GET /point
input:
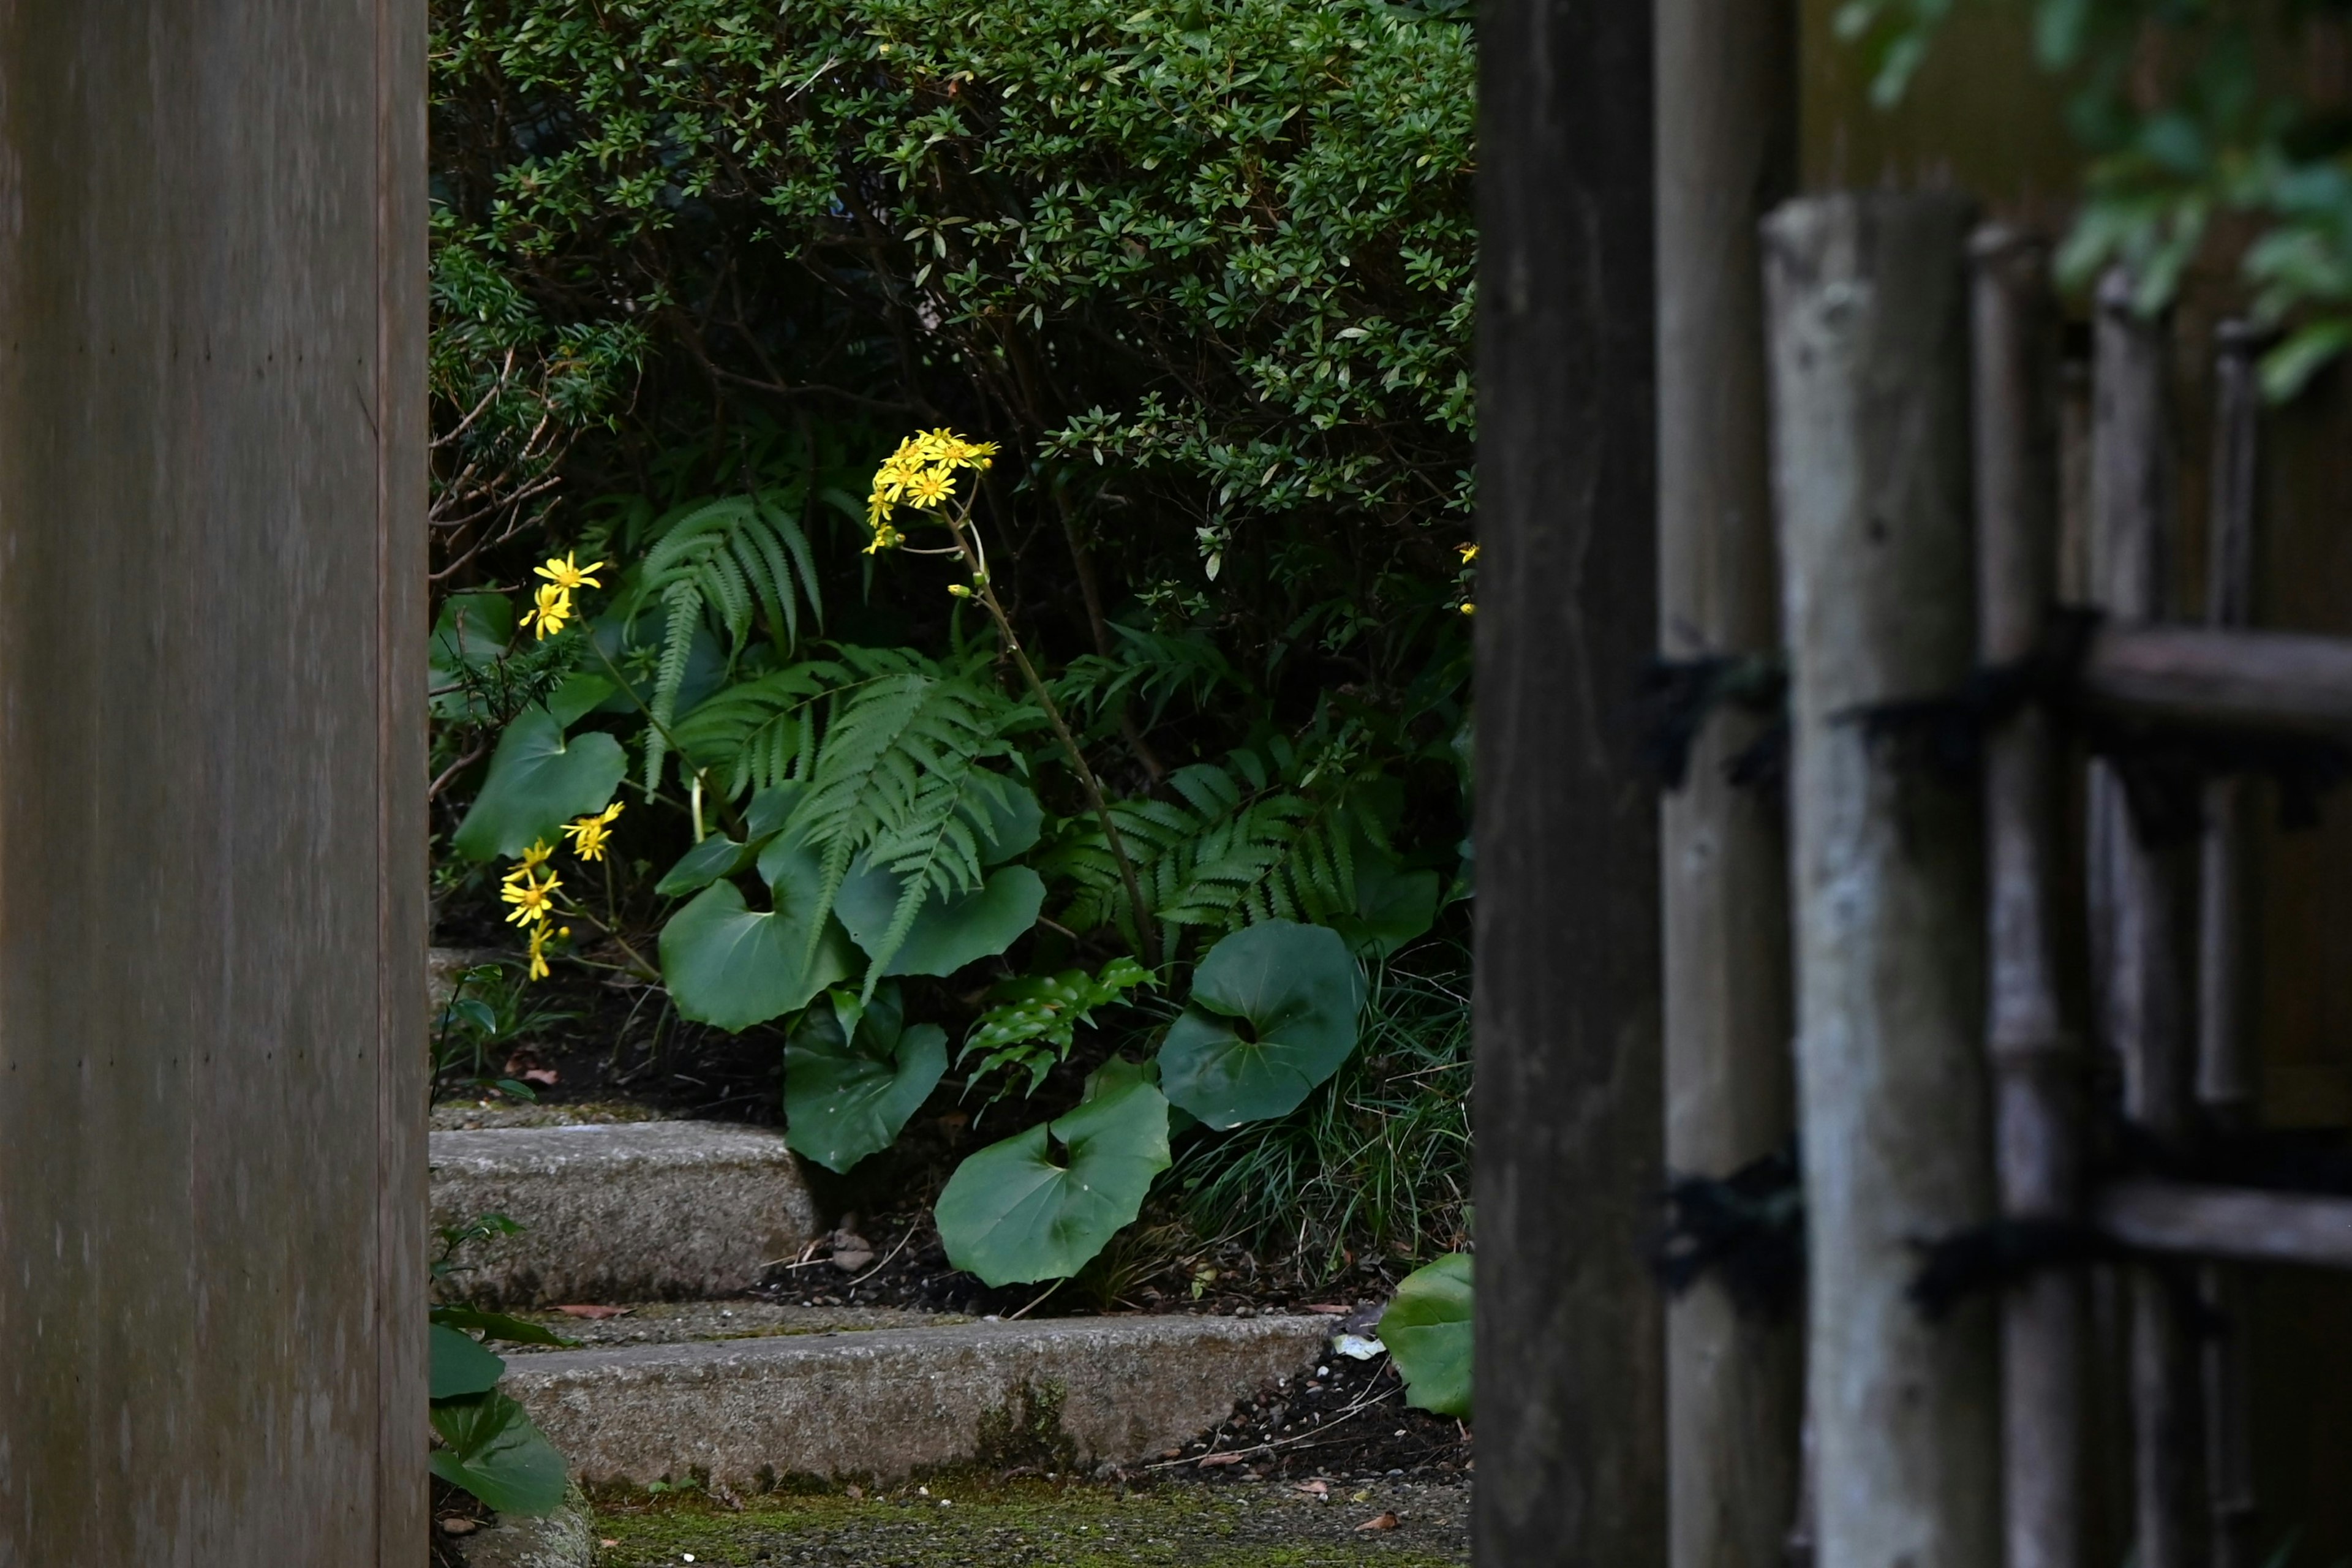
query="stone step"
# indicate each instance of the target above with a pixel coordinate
(629, 1212)
(885, 1403)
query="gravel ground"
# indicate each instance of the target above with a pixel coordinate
(1040, 1524)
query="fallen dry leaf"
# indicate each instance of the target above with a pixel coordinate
(458, 1526)
(1315, 1489)
(1332, 1309)
(1210, 1461)
(1379, 1521)
(609, 1541)
(596, 1314)
(543, 1077)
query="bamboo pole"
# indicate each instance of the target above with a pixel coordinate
(2136, 901)
(2225, 1084)
(1727, 151)
(2036, 1061)
(1868, 304)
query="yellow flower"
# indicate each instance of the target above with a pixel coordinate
(885, 538)
(1469, 552)
(1469, 609)
(931, 486)
(549, 610)
(533, 901)
(564, 574)
(533, 860)
(539, 952)
(588, 834)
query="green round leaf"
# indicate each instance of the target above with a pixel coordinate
(1427, 1330)
(944, 936)
(537, 782)
(1013, 1212)
(460, 1365)
(1273, 1014)
(496, 1453)
(729, 965)
(848, 1097)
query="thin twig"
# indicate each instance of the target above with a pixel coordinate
(1039, 1301)
(877, 1269)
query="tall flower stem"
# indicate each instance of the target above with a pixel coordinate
(968, 543)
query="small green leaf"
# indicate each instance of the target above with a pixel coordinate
(460, 1365)
(1392, 906)
(1427, 1330)
(496, 1452)
(537, 782)
(500, 1326)
(470, 632)
(945, 936)
(1034, 1018)
(848, 1096)
(716, 857)
(1009, 819)
(1273, 1014)
(730, 966)
(1010, 1214)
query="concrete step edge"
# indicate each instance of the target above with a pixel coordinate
(882, 1404)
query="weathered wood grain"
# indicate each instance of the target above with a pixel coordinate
(1871, 459)
(1572, 1397)
(212, 840)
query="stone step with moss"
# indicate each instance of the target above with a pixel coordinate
(1056, 1395)
(622, 1212)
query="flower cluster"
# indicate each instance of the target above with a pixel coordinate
(922, 475)
(531, 895)
(551, 606)
(1469, 553)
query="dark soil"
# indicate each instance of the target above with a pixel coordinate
(1347, 1421)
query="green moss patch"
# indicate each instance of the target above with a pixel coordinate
(1046, 1525)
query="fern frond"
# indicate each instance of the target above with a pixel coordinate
(735, 562)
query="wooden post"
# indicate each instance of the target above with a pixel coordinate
(2225, 1068)
(2036, 1060)
(2135, 899)
(1570, 1332)
(1870, 333)
(1726, 153)
(212, 840)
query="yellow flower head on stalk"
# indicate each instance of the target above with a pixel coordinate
(1469, 609)
(561, 571)
(533, 900)
(920, 473)
(539, 951)
(1469, 552)
(931, 488)
(549, 610)
(588, 834)
(533, 860)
